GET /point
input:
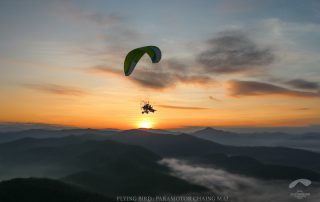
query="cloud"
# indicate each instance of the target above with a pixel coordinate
(172, 71)
(303, 84)
(56, 89)
(101, 69)
(152, 79)
(162, 80)
(114, 30)
(182, 107)
(149, 79)
(252, 88)
(99, 19)
(213, 98)
(236, 187)
(74, 12)
(234, 52)
(303, 108)
(195, 79)
(161, 77)
(103, 19)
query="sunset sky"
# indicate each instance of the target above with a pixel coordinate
(224, 63)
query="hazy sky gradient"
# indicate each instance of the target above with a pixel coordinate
(225, 63)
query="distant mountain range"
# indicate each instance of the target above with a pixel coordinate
(308, 141)
(44, 133)
(111, 162)
(12, 126)
(19, 126)
(172, 145)
(185, 145)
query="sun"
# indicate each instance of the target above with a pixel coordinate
(144, 124)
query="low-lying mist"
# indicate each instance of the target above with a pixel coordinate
(238, 188)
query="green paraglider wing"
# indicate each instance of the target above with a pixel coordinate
(135, 55)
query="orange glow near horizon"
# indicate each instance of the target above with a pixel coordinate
(185, 105)
(145, 124)
(145, 121)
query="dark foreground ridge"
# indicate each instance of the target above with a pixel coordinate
(46, 190)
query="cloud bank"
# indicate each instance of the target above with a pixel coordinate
(303, 84)
(182, 107)
(55, 89)
(254, 88)
(160, 77)
(233, 52)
